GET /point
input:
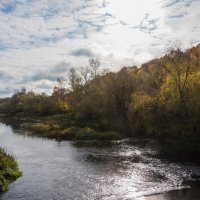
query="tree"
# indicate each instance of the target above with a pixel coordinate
(74, 79)
(85, 74)
(94, 65)
(178, 66)
(118, 90)
(60, 91)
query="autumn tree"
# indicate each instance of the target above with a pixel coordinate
(178, 66)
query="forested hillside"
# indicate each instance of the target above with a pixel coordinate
(161, 98)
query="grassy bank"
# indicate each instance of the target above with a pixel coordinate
(71, 133)
(9, 170)
(60, 127)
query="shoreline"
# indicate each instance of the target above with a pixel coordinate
(51, 127)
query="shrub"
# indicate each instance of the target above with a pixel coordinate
(70, 133)
(3, 184)
(42, 128)
(87, 134)
(9, 170)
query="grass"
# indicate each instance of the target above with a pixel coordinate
(9, 170)
(76, 133)
(64, 127)
(71, 133)
(87, 134)
(41, 128)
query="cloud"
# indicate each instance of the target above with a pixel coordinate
(181, 20)
(47, 74)
(171, 3)
(82, 52)
(178, 15)
(6, 91)
(37, 39)
(4, 76)
(147, 25)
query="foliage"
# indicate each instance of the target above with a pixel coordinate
(8, 170)
(40, 128)
(32, 104)
(160, 98)
(72, 133)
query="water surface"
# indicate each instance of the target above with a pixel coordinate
(128, 169)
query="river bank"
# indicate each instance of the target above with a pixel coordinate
(59, 127)
(62, 127)
(9, 170)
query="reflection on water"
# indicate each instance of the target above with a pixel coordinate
(91, 170)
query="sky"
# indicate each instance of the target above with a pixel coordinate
(41, 39)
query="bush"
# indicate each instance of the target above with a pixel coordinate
(42, 128)
(87, 134)
(70, 133)
(3, 184)
(9, 170)
(11, 174)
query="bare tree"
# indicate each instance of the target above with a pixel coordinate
(94, 65)
(74, 79)
(85, 74)
(61, 90)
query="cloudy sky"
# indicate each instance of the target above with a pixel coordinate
(40, 39)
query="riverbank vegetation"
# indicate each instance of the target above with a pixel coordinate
(161, 98)
(9, 170)
(71, 133)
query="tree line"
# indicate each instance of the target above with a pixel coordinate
(162, 97)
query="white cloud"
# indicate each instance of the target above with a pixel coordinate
(36, 36)
(133, 11)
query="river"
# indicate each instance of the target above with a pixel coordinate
(128, 169)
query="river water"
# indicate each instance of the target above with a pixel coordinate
(129, 169)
